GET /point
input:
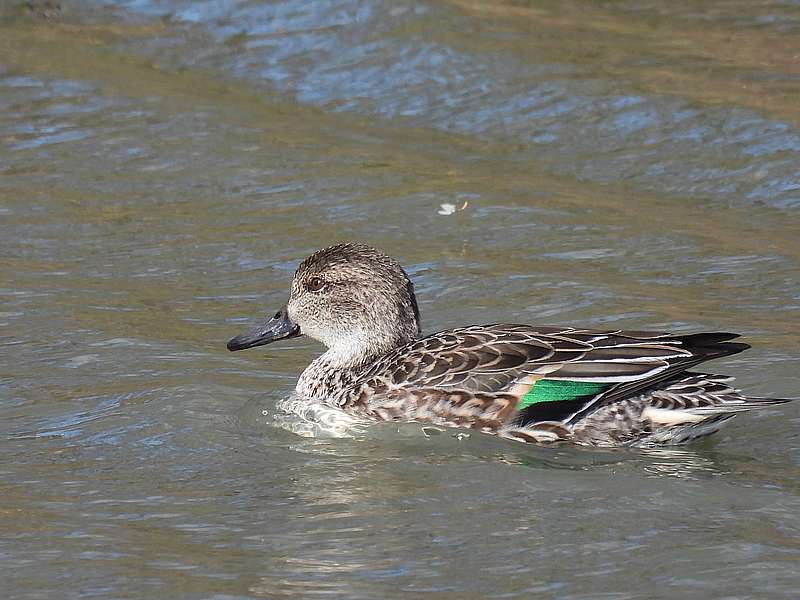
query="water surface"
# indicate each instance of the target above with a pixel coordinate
(164, 166)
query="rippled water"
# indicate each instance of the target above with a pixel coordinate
(165, 164)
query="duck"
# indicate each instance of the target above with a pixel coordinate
(535, 384)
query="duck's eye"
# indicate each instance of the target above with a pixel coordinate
(315, 284)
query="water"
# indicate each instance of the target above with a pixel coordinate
(165, 165)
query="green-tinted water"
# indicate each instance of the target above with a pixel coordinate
(164, 165)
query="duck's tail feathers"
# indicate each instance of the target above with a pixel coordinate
(741, 404)
(708, 346)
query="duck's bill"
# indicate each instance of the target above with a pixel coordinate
(279, 327)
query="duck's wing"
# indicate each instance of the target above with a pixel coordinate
(554, 373)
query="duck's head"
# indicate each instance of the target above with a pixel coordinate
(356, 300)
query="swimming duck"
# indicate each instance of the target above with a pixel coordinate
(528, 383)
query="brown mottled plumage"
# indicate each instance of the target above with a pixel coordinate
(533, 384)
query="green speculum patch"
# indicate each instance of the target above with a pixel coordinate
(551, 390)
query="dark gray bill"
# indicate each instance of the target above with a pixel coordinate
(277, 328)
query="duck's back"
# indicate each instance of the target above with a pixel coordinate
(553, 383)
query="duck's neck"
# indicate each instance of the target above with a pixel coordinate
(326, 378)
(331, 375)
